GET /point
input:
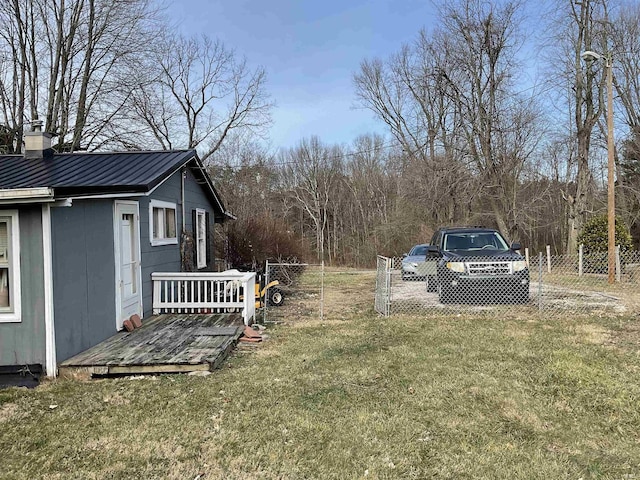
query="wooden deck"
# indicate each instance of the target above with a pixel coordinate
(168, 343)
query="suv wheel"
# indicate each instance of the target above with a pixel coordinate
(521, 295)
(432, 285)
(445, 294)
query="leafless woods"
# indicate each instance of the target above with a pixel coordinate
(493, 119)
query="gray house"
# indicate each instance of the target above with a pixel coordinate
(80, 235)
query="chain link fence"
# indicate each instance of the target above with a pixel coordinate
(300, 287)
(383, 285)
(547, 284)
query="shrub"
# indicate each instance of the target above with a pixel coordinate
(253, 240)
(594, 235)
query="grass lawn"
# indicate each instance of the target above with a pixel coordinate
(355, 396)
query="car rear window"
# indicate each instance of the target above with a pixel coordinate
(418, 250)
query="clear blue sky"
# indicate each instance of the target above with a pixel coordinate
(310, 49)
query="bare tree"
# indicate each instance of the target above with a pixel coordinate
(483, 42)
(407, 93)
(449, 101)
(202, 94)
(368, 180)
(18, 70)
(578, 27)
(310, 174)
(68, 60)
(625, 51)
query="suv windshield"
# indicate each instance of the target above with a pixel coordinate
(474, 241)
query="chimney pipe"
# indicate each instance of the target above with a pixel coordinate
(37, 144)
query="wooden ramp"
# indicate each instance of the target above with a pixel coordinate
(168, 343)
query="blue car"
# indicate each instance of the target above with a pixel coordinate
(410, 261)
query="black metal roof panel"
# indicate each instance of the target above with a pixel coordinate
(92, 173)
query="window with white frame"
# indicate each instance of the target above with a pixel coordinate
(10, 301)
(201, 237)
(162, 223)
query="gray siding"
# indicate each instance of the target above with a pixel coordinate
(24, 343)
(83, 275)
(84, 291)
(195, 197)
(160, 258)
(166, 258)
(84, 262)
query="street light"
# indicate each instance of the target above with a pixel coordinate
(591, 57)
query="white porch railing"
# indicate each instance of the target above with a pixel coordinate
(188, 292)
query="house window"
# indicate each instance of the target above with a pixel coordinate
(201, 238)
(162, 223)
(10, 302)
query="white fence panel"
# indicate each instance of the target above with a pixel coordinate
(194, 292)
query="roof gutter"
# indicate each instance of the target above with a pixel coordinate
(26, 195)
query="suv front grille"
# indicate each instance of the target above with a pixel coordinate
(489, 268)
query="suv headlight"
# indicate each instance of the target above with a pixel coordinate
(456, 266)
(519, 265)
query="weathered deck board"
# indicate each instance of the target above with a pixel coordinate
(165, 343)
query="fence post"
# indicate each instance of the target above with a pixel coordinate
(387, 303)
(265, 304)
(249, 308)
(157, 298)
(322, 293)
(618, 264)
(580, 256)
(548, 259)
(526, 255)
(540, 281)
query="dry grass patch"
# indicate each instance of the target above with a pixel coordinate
(347, 292)
(510, 409)
(593, 334)
(626, 335)
(10, 411)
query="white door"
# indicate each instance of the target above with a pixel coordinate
(128, 268)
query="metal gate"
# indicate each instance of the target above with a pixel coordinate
(302, 287)
(383, 286)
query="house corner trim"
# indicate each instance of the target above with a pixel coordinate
(47, 253)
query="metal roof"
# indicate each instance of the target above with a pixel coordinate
(92, 174)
